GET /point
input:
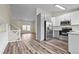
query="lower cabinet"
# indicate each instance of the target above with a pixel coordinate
(56, 33)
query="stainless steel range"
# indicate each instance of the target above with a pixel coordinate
(65, 31)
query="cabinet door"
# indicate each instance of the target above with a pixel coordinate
(57, 21)
(56, 33)
(75, 18)
(66, 17)
(53, 21)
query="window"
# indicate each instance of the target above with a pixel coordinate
(26, 27)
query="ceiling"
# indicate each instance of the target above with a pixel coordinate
(26, 11)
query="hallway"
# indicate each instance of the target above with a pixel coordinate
(28, 45)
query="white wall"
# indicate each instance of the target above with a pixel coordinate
(3, 41)
(4, 19)
(42, 28)
(44, 16)
(5, 13)
(39, 27)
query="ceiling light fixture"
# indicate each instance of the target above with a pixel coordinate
(58, 6)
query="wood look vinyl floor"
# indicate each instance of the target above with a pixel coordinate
(28, 45)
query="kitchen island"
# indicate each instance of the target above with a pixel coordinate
(73, 42)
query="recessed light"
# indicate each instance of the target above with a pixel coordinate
(58, 6)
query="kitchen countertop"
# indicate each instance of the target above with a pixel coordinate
(57, 29)
(74, 32)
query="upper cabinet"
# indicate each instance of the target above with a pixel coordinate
(74, 18)
(58, 19)
(65, 17)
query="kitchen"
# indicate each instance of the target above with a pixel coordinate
(63, 26)
(66, 27)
